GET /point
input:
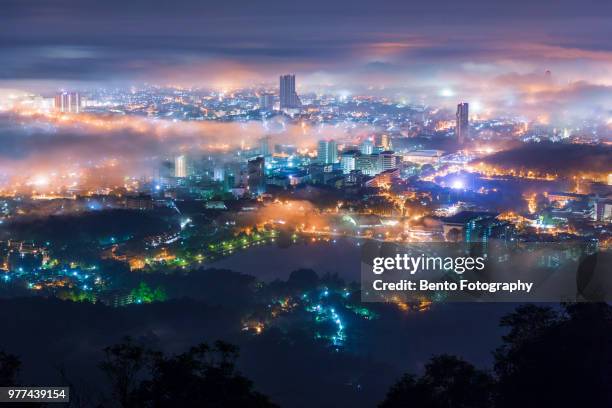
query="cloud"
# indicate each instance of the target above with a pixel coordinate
(492, 52)
(93, 40)
(132, 146)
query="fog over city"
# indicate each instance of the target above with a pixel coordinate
(194, 196)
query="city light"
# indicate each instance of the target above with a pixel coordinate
(306, 204)
(458, 184)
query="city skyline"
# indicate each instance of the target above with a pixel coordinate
(306, 204)
(523, 58)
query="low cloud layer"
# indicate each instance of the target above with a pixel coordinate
(131, 146)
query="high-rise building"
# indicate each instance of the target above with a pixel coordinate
(348, 160)
(387, 161)
(218, 173)
(462, 127)
(367, 147)
(180, 166)
(266, 101)
(256, 176)
(327, 152)
(265, 146)
(289, 98)
(382, 142)
(68, 102)
(368, 164)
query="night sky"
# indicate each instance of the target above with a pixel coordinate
(496, 51)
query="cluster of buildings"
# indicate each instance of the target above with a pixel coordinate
(22, 256)
(68, 102)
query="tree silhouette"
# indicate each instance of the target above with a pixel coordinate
(9, 368)
(124, 364)
(549, 358)
(303, 279)
(553, 359)
(204, 376)
(448, 382)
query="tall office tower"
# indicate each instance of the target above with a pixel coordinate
(265, 146)
(462, 127)
(387, 161)
(180, 166)
(327, 152)
(368, 164)
(256, 176)
(348, 160)
(367, 147)
(68, 102)
(382, 141)
(218, 173)
(288, 97)
(266, 102)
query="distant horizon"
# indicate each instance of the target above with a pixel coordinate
(517, 56)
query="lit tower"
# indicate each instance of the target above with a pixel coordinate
(256, 176)
(327, 152)
(68, 102)
(266, 102)
(462, 128)
(288, 97)
(180, 166)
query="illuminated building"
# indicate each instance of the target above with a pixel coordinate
(462, 127)
(139, 202)
(423, 156)
(266, 102)
(265, 147)
(602, 209)
(469, 226)
(386, 177)
(367, 147)
(348, 160)
(289, 98)
(68, 102)
(327, 152)
(256, 176)
(563, 198)
(383, 142)
(367, 164)
(219, 174)
(354, 178)
(298, 178)
(387, 161)
(180, 166)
